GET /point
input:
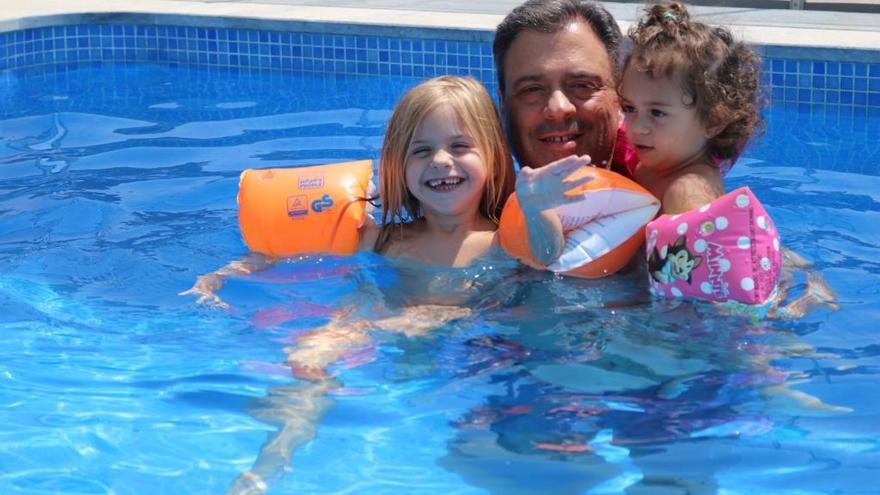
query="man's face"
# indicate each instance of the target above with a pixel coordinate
(559, 97)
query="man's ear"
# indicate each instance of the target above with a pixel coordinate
(500, 95)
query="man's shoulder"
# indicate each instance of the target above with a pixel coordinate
(624, 159)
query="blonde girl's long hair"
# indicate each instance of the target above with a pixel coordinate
(479, 116)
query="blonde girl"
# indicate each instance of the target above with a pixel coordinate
(444, 175)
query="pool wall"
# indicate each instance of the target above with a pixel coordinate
(808, 79)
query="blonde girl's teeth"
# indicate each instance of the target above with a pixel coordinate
(441, 182)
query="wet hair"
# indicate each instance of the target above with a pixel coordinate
(478, 116)
(718, 74)
(552, 16)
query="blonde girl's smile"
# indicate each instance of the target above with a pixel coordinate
(445, 184)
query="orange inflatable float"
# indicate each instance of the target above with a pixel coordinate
(602, 231)
(291, 211)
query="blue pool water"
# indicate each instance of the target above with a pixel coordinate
(117, 189)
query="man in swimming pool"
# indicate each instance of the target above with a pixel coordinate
(558, 66)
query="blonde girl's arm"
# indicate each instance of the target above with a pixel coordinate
(207, 285)
(541, 190)
(546, 238)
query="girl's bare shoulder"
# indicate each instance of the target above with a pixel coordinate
(692, 189)
(369, 233)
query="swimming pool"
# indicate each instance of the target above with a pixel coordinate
(118, 187)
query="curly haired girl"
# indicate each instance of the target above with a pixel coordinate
(690, 96)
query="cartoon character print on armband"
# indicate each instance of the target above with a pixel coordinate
(677, 263)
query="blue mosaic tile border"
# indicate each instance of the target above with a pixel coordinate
(787, 81)
(238, 49)
(818, 82)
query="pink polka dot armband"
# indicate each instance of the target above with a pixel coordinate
(726, 250)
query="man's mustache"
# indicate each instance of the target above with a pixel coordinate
(571, 127)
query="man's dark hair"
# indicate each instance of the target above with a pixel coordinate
(552, 16)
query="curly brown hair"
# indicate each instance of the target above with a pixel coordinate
(718, 74)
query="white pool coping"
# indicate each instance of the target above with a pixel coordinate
(782, 28)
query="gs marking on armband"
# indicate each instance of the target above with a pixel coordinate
(322, 204)
(311, 182)
(297, 206)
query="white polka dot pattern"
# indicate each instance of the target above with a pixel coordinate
(731, 248)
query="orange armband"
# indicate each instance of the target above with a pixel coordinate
(291, 211)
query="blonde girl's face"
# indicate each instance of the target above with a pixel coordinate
(665, 132)
(445, 167)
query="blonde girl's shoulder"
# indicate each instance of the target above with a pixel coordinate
(492, 239)
(369, 233)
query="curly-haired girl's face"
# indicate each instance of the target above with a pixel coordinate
(660, 122)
